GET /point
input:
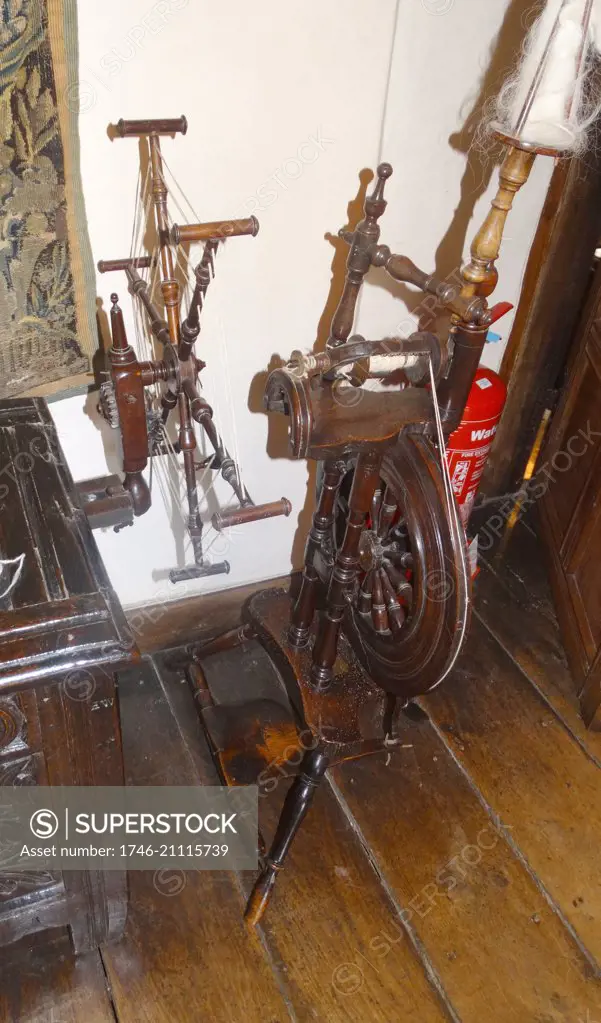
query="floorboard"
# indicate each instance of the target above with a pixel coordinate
(186, 953)
(171, 622)
(513, 600)
(531, 771)
(502, 954)
(456, 879)
(330, 907)
(42, 981)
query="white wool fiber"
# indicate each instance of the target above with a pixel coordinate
(562, 106)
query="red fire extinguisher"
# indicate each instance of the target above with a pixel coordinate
(469, 445)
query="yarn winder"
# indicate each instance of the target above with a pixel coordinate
(127, 400)
(384, 601)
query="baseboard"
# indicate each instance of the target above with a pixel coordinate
(173, 623)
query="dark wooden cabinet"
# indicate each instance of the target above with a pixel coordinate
(63, 635)
(571, 510)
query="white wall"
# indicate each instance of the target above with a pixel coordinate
(442, 50)
(285, 107)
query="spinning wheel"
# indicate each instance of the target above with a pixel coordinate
(408, 612)
(145, 394)
(384, 601)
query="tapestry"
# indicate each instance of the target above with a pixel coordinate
(46, 273)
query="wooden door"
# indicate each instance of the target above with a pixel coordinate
(571, 510)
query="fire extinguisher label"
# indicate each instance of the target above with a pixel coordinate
(459, 476)
(483, 434)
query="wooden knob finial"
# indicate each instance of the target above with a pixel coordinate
(384, 170)
(375, 204)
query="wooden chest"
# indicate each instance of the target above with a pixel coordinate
(63, 635)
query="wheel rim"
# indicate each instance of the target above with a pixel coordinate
(408, 614)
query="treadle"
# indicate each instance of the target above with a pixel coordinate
(252, 741)
(348, 717)
(178, 575)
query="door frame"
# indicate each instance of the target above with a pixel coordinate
(556, 281)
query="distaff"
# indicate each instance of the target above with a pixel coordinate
(542, 110)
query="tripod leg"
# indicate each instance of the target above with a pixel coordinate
(296, 804)
(346, 567)
(323, 519)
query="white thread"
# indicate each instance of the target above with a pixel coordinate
(456, 524)
(19, 561)
(168, 467)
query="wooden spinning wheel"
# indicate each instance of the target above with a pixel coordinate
(144, 394)
(384, 601)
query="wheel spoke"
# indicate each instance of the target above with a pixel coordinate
(379, 614)
(387, 513)
(384, 597)
(364, 601)
(396, 614)
(342, 504)
(402, 586)
(376, 504)
(403, 559)
(399, 532)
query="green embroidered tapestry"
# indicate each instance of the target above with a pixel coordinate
(46, 274)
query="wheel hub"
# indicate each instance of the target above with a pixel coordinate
(371, 551)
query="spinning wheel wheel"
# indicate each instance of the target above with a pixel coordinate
(409, 609)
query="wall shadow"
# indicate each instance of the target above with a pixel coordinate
(482, 154)
(277, 430)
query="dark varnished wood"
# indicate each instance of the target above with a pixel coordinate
(105, 501)
(548, 313)
(151, 126)
(63, 637)
(42, 979)
(214, 230)
(335, 937)
(496, 948)
(194, 620)
(352, 562)
(341, 715)
(570, 510)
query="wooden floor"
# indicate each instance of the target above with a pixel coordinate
(456, 879)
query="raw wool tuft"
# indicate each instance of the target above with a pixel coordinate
(563, 106)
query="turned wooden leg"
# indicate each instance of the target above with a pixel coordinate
(296, 804)
(301, 618)
(365, 483)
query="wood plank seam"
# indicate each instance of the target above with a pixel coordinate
(591, 756)
(239, 883)
(504, 831)
(108, 985)
(149, 658)
(414, 940)
(278, 973)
